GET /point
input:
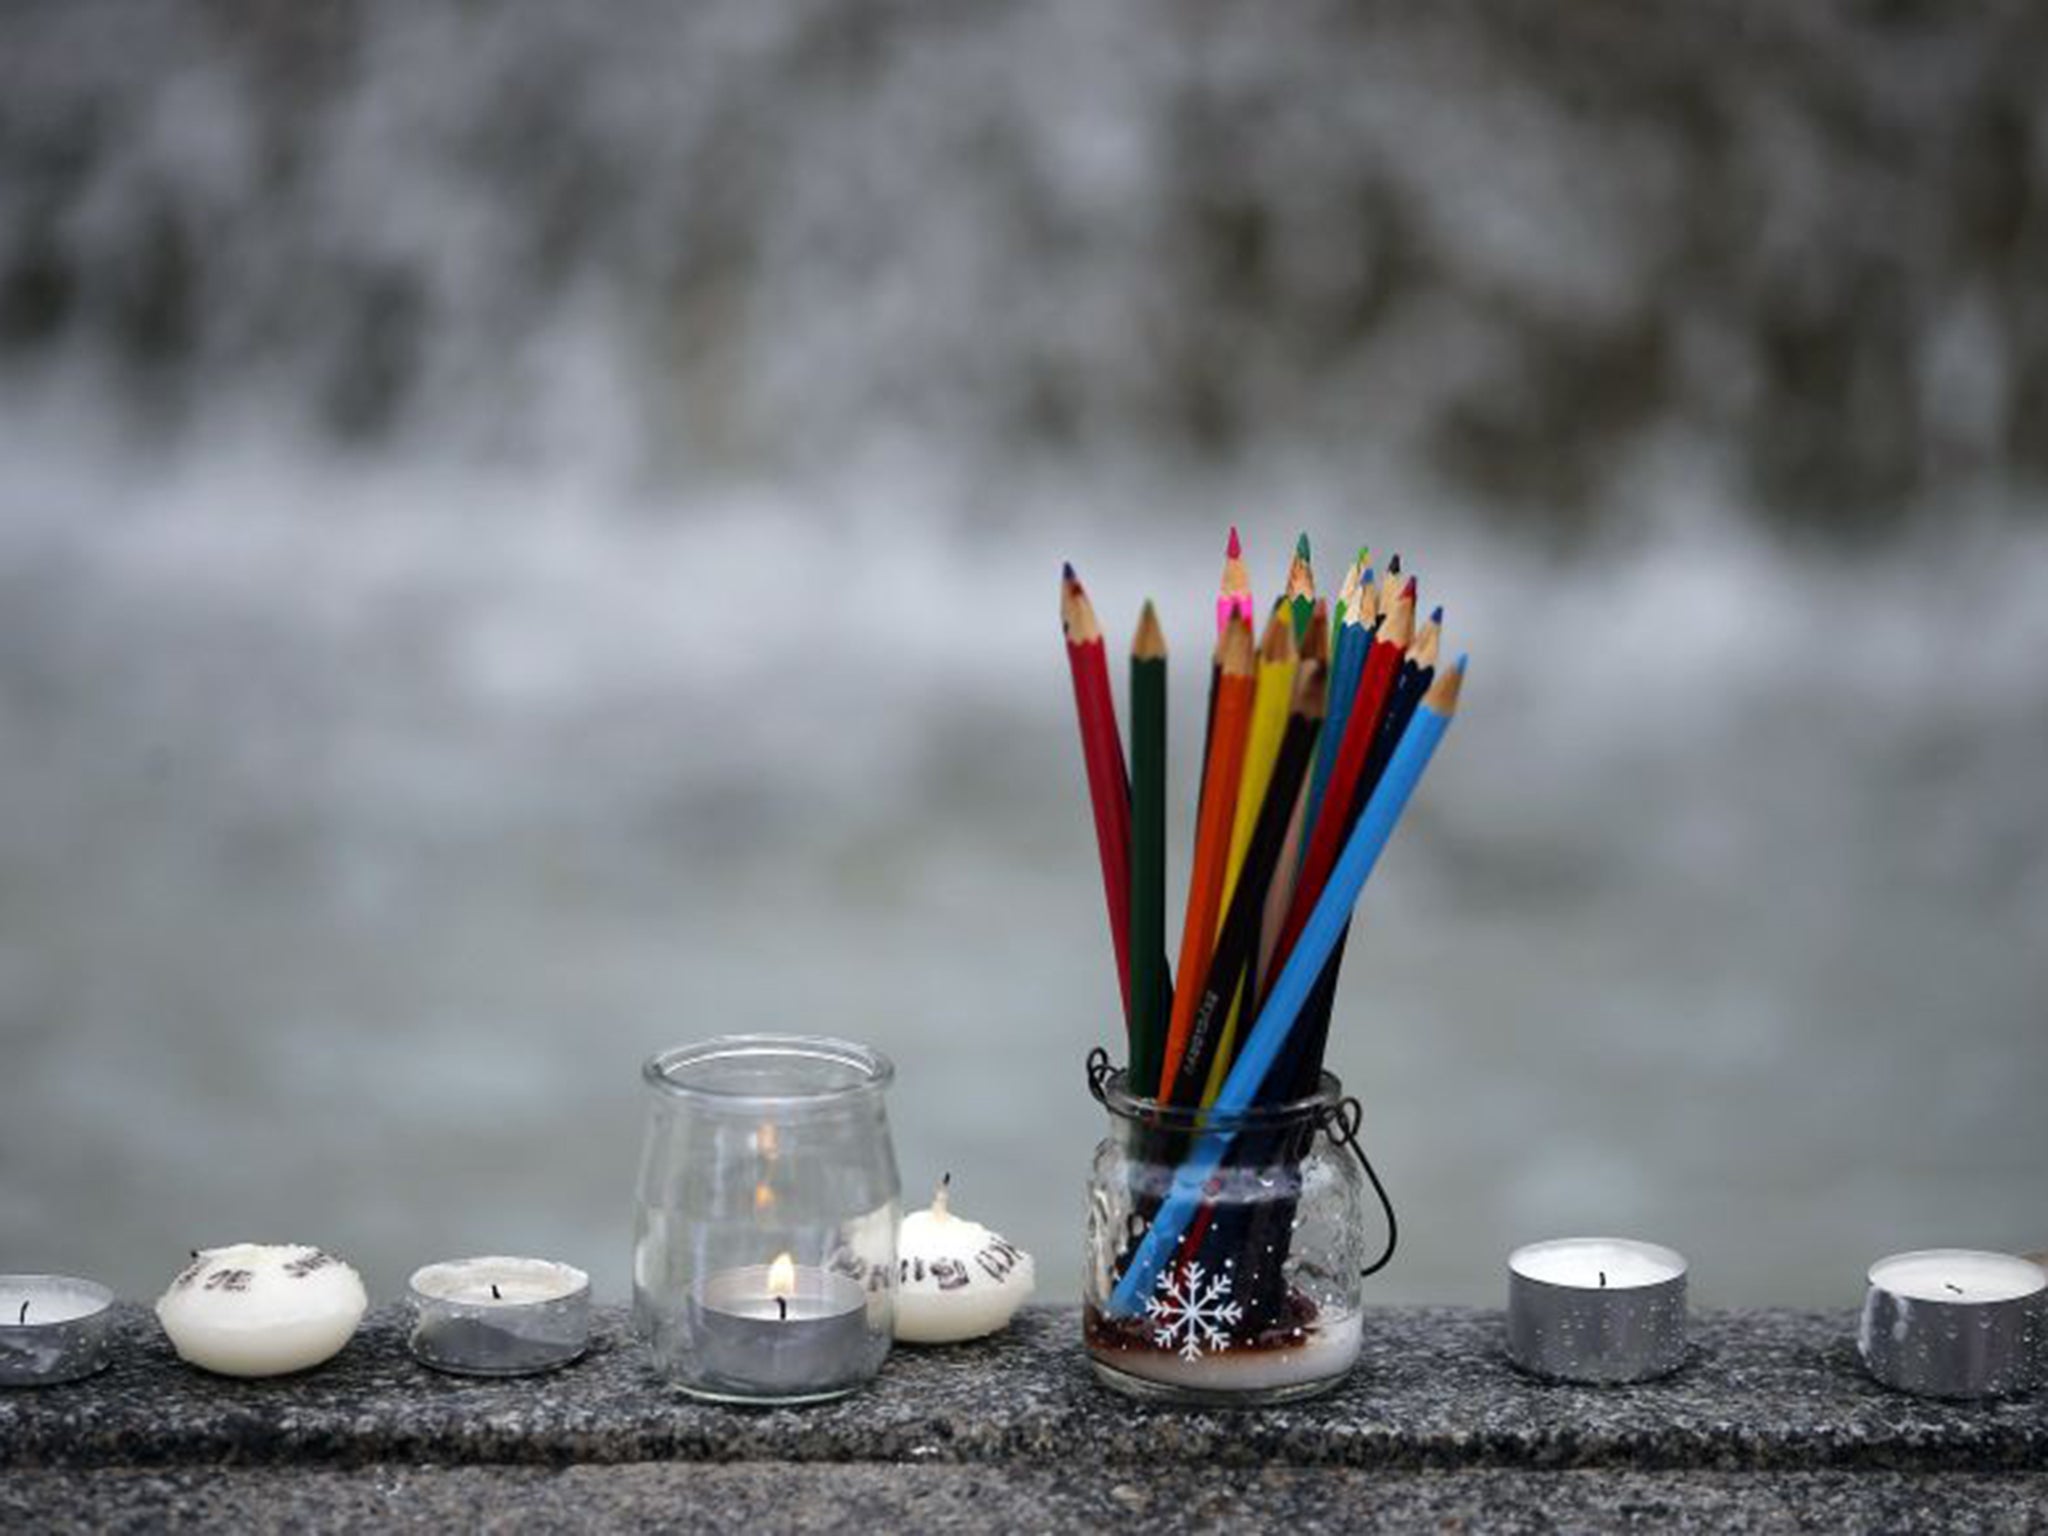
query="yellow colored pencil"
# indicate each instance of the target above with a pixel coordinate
(1278, 659)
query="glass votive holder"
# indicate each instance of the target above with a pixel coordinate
(53, 1329)
(1261, 1298)
(498, 1316)
(764, 1252)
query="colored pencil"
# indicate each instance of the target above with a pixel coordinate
(1234, 591)
(1150, 986)
(1302, 1062)
(1280, 889)
(1210, 1033)
(1358, 573)
(1283, 801)
(1218, 806)
(1277, 1018)
(1300, 591)
(1342, 799)
(1278, 660)
(1354, 640)
(1102, 754)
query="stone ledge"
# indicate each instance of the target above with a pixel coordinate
(749, 1498)
(1766, 1391)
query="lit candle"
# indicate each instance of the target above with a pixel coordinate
(955, 1278)
(261, 1309)
(1955, 1322)
(1596, 1309)
(53, 1328)
(781, 1331)
(497, 1316)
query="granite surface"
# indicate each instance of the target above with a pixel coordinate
(1765, 1391)
(757, 1497)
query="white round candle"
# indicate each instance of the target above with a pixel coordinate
(1957, 1275)
(1597, 1263)
(261, 1309)
(955, 1278)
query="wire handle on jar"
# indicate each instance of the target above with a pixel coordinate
(1099, 1073)
(1341, 1122)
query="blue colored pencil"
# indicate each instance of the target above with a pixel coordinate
(1297, 978)
(1354, 641)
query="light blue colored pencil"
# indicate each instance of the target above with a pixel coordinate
(1297, 979)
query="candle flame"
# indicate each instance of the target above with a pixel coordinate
(764, 1196)
(782, 1276)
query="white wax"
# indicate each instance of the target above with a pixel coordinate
(1957, 1275)
(1597, 1263)
(497, 1281)
(1329, 1349)
(955, 1278)
(262, 1309)
(48, 1298)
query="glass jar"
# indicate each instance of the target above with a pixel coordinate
(1258, 1297)
(764, 1249)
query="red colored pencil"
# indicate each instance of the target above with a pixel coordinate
(1102, 752)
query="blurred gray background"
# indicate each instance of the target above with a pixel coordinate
(530, 533)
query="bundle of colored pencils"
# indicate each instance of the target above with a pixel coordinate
(1320, 724)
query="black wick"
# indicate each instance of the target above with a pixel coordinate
(782, 1309)
(494, 1292)
(1953, 1286)
(1603, 1279)
(24, 1314)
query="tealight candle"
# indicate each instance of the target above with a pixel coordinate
(53, 1328)
(1955, 1322)
(782, 1331)
(955, 1278)
(261, 1309)
(496, 1316)
(1596, 1309)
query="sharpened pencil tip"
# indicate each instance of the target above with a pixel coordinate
(1394, 566)
(1233, 549)
(1067, 571)
(1364, 554)
(1437, 614)
(1301, 547)
(1410, 589)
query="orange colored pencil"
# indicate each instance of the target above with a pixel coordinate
(1235, 679)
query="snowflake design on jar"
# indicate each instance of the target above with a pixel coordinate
(1193, 1311)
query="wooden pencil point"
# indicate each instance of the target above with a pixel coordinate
(1443, 693)
(1077, 615)
(1311, 699)
(1277, 645)
(1233, 550)
(1150, 644)
(1239, 654)
(1315, 645)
